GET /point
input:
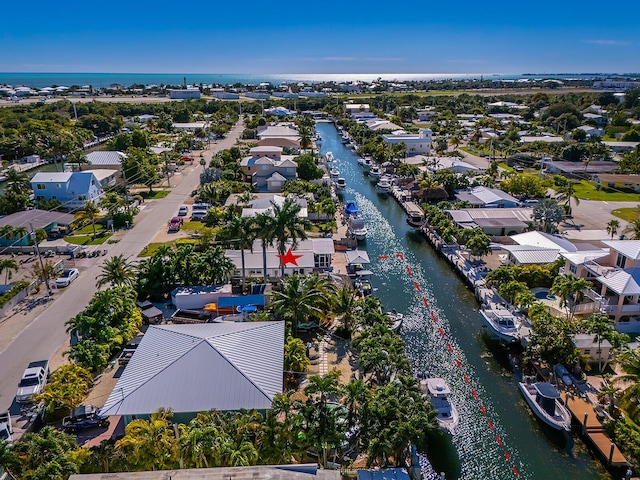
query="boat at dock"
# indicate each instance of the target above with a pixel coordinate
(397, 318)
(334, 173)
(375, 172)
(384, 184)
(501, 323)
(341, 183)
(328, 157)
(544, 400)
(351, 208)
(356, 228)
(415, 215)
(439, 392)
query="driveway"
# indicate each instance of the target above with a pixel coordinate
(595, 214)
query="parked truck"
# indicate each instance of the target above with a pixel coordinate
(33, 381)
(6, 429)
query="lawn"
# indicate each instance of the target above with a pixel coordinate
(152, 248)
(587, 191)
(194, 226)
(88, 229)
(506, 167)
(87, 240)
(628, 214)
(156, 194)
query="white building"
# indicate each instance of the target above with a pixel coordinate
(184, 93)
(416, 144)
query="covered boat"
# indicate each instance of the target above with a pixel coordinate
(351, 208)
(544, 400)
(439, 392)
(501, 323)
(357, 228)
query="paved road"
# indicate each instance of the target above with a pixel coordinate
(46, 333)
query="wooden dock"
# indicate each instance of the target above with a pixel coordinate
(583, 412)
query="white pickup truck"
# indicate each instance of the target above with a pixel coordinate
(33, 381)
(6, 429)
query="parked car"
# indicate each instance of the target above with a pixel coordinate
(183, 211)
(83, 418)
(6, 429)
(67, 277)
(33, 380)
(175, 224)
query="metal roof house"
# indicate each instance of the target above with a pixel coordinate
(73, 189)
(484, 197)
(199, 367)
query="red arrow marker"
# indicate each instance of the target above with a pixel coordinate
(400, 256)
(491, 425)
(449, 347)
(458, 363)
(466, 379)
(506, 454)
(424, 300)
(441, 332)
(416, 285)
(383, 257)
(433, 315)
(475, 395)
(498, 440)
(515, 471)
(484, 412)
(408, 270)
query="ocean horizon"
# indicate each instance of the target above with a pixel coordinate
(103, 80)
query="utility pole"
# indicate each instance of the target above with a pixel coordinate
(44, 272)
(166, 167)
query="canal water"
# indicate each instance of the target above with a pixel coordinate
(473, 452)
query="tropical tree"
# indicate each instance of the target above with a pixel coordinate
(240, 231)
(302, 297)
(296, 360)
(150, 444)
(89, 212)
(570, 290)
(287, 226)
(8, 265)
(67, 388)
(264, 229)
(612, 227)
(629, 362)
(565, 192)
(18, 183)
(548, 213)
(116, 271)
(512, 289)
(634, 228)
(601, 327)
(344, 305)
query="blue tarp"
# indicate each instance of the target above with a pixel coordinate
(244, 300)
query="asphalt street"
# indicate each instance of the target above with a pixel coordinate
(45, 334)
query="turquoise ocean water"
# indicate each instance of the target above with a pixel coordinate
(104, 80)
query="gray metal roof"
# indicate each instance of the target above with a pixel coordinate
(359, 257)
(628, 248)
(193, 368)
(105, 158)
(623, 282)
(524, 254)
(37, 218)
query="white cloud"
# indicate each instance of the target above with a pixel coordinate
(608, 42)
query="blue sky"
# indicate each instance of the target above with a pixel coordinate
(220, 36)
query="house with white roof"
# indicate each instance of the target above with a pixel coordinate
(493, 221)
(265, 203)
(110, 160)
(615, 277)
(415, 144)
(195, 368)
(73, 189)
(591, 131)
(544, 240)
(310, 256)
(280, 130)
(485, 197)
(455, 164)
(267, 169)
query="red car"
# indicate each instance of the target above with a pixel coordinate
(175, 224)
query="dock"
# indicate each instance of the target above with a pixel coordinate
(582, 410)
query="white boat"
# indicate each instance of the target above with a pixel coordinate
(384, 184)
(328, 157)
(341, 183)
(502, 324)
(439, 392)
(415, 215)
(397, 319)
(334, 173)
(544, 400)
(375, 172)
(357, 228)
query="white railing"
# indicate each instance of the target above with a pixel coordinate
(598, 269)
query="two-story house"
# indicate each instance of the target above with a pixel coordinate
(267, 169)
(615, 277)
(72, 189)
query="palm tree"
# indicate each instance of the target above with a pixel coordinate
(570, 290)
(344, 304)
(89, 212)
(354, 397)
(612, 227)
(287, 226)
(602, 327)
(629, 361)
(263, 228)
(299, 299)
(116, 271)
(239, 231)
(565, 192)
(8, 265)
(634, 228)
(17, 182)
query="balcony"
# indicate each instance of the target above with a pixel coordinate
(597, 269)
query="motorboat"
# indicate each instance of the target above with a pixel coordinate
(329, 157)
(501, 323)
(415, 215)
(351, 208)
(375, 172)
(544, 400)
(341, 183)
(439, 393)
(366, 164)
(397, 319)
(384, 184)
(362, 161)
(357, 228)
(334, 173)
(363, 283)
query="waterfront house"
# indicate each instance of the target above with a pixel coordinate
(73, 189)
(485, 197)
(267, 169)
(617, 181)
(109, 160)
(415, 143)
(354, 109)
(492, 221)
(280, 130)
(200, 367)
(455, 164)
(311, 256)
(588, 346)
(263, 203)
(615, 278)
